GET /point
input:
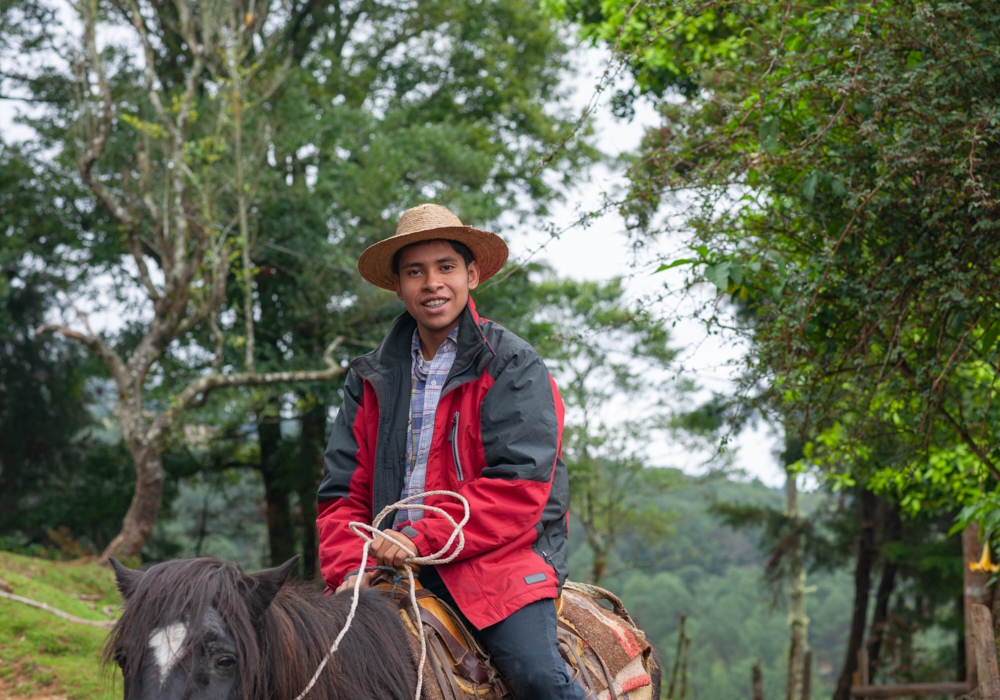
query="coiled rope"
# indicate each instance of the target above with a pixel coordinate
(368, 533)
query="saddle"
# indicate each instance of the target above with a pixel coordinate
(605, 653)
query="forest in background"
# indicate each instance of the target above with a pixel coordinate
(209, 171)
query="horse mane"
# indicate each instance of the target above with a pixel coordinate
(278, 652)
(299, 628)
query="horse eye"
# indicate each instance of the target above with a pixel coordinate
(225, 662)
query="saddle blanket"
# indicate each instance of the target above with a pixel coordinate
(610, 648)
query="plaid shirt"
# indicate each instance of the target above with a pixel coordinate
(426, 383)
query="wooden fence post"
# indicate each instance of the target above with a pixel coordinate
(974, 592)
(862, 672)
(986, 652)
(681, 636)
(758, 682)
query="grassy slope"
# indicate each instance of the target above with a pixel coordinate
(41, 653)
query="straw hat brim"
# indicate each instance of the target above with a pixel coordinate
(489, 250)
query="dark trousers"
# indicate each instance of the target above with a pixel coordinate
(524, 647)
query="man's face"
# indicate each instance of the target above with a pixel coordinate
(434, 283)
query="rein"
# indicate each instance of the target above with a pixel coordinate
(368, 533)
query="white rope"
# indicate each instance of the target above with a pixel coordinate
(368, 533)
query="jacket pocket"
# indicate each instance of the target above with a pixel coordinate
(453, 439)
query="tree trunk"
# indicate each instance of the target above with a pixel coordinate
(140, 519)
(313, 448)
(137, 526)
(975, 593)
(599, 567)
(798, 622)
(310, 538)
(807, 663)
(862, 587)
(892, 533)
(280, 530)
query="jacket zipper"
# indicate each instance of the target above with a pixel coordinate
(453, 439)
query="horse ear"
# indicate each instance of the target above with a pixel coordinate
(264, 585)
(125, 577)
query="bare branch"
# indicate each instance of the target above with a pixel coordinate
(148, 70)
(97, 346)
(96, 146)
(213, 323)
(103, 624)
(135, 248)
(197, 391)
(330, 349)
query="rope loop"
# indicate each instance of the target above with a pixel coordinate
(369, 533)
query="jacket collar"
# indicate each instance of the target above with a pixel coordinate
(474, 352)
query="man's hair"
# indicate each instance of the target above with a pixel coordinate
(457, 246)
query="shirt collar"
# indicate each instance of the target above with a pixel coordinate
(420, 365)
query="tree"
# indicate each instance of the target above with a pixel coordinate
(850, 201)
(603, 350)
(840, 162)
(185, 149)
(175, 212)
(42, 402)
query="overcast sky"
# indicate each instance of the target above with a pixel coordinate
(601, 251)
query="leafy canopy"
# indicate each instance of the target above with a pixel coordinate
(838, 175)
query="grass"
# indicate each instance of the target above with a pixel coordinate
(41, 654)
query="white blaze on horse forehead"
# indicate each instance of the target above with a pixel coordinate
(166, 644)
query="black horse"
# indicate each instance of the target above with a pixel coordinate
(201, 629)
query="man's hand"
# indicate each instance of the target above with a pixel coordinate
(348, 584)
(388, 553)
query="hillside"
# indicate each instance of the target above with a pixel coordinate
(714, 576)
(41, 654)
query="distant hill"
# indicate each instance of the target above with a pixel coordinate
(714, 575)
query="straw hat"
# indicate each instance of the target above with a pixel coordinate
(429, 222)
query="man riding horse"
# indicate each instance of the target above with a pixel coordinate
(452, 401)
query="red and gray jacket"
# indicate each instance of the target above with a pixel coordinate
(497, 441)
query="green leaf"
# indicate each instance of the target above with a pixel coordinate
(989, 338)
(718, 275)
(676, 263)
(809, 186)
(151, 129)
(736, 273)
(770, 130)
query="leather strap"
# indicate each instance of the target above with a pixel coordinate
(442, 669)
(568, 634)
(467, 663)
(575, 666)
